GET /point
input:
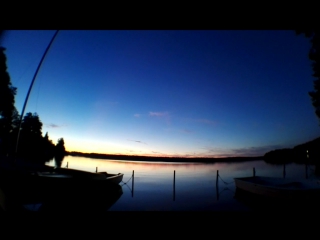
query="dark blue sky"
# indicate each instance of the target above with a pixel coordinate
(175, 93)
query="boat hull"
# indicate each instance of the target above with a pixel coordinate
(30, 186)
(278, 188)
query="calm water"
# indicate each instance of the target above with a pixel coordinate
(195, 183)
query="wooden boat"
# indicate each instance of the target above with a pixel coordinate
(279, 188)
(73, 174)
(56, 195)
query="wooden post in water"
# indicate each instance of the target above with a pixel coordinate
(67, 164)
(174, 185)
(217, 185)
(96, 169)
(217, 178)
(254, 172)
(132, 181)
(284, 170)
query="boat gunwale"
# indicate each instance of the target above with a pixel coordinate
(311, 184)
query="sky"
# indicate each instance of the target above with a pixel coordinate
(185, 93)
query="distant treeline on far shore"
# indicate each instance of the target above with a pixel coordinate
(308, 152)
(304, 153)
(162, 159)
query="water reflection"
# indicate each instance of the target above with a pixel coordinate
(183, 186)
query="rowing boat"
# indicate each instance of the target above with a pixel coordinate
(279, 188)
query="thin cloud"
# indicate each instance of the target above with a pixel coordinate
(206, 121)
(52, 125)
(137, 115)
(137, 141)
(158, 114)
(186, 131)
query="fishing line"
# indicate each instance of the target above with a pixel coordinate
(30, 88)
(26, 69)
(126, 181)
(224, 181)
(38, 94)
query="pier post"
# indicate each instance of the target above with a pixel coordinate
(254, 172)
(132, 181)
(284, 170)
(67, 164)
(217, 185)
(96, 169)
(174, 185)
(217, 178)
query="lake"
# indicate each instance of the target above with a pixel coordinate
(194, 188)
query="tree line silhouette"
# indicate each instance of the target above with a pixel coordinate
(308, 152)
(32, 146)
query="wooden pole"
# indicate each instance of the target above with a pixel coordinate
(67, 164)
(217, 192)
(96, 169)
(174, 185)
(254, 172)
(217, 185)
(217, 178)
(132, 181)
(30, 88)
(284, 170)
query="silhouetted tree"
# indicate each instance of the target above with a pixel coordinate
(32, 146)
(48, 148)
(30, 140)
(31, 124)
(314, 56)
(60, 152)
(8, 112)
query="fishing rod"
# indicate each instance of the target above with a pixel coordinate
(30, 88)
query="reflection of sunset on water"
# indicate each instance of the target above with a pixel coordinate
(195, 183)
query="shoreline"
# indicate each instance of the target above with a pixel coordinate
(162, 159)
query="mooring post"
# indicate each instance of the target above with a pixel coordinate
(217, 192)
(254, 172)
(217, 178)
(96, 169)
(67, 164)
(174, 185)
(284, 170)
(132, 181)
(217, 185)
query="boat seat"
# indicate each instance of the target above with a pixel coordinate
(103, 173)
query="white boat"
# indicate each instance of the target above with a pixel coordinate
(279, 188)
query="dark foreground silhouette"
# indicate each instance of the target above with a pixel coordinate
(41, 197)
(267, 205)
